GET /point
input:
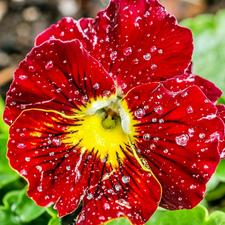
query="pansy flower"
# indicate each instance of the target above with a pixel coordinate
(107, 113)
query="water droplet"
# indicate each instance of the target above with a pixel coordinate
(106, 94)
(21, 145)
(39, 188)
(140, 113)
(182, 139)
(159, 96)
(31, 69)
(160, 51)
(152, 146)
(202, 135)
(161, 120)
(153, 49)
(49, 65)
(189, 110)
(146, 137)
(166, 151)
(23, 172)
(62, 34)
(192, 186)
(147, 56)
(96, 86)
(184, 94)
(23, 77)
(179, 198)
(153, 66)
(84, 99)
(127, 51)
(154, 120)
(51, 154)
(106, 206)
(135, 61)
(12, 103)
(125, 179)
(56, 142)
(118, 187)
(68, 168)
(113, 55)
(158, 109)
(27, 159)
(89, 196)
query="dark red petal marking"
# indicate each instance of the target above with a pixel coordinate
(186, 80)
(61, 169)
(130, 192)
(136, 41)
(177, 134)
(221, 114)
(59, 76)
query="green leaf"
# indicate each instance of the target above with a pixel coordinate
(122, 221)
(196, 216)
(220, 171)
(51, 211)
(7, 175)
(3, 127)
(208, 31)
(54, 221)
(26, 208)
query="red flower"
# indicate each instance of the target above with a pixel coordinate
(93, 123)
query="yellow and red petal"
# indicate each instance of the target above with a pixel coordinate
(221, 114)
(177, 135)
(59, 76)
(136, 41)
(186, 80)
(69, 159)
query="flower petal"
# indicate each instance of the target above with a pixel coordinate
(130, 192)
(69, 159)
(221, 114)
(136, 41)
(187, 80)
(59, 76)
(177, 135)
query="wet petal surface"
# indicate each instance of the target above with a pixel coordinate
(187, 80)
(136, 41)
(58, 76)
(177, 135)
(68, 160)
(221, 114)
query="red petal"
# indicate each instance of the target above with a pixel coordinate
(221, 114)
(187, 80)
(136, 41)
(177, 134)
(59, 76)
(60, 168)
(130, 192)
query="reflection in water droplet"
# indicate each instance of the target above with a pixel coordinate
(127, 51)
(113, 55)
(125, 179)
(189, 110)
(49, 65)
(147, 56)
(158, 109)
(182, 139)
(146, 137)
(140, 113)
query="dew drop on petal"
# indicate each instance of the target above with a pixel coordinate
(23, 77)
(106, 94)
(106, 206)
(23, 172)
(39, 188)
(118, 187)
(31, 69)
(127, 51)
(166, 151)
(56, 142)
(180, 199)
(113, 55)
(146, 137)
(147, 56)
(27, 159)
(189, 110)
(68, 168)
(160, 51)
(152, 146)
(125, 179)
(153, 66)
(153, 49)
(192, 186)
(89, 196)
(140, 113)
(182, 139)
(158, 109)
(84, 99)
(135, 61)
(49, 65)
(96, 86)
(21, 145)
(202, 135)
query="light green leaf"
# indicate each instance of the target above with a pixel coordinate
(54, 221)
(26, 208)
(7, 174)
(220, 171)
(3, 127)
(208, 31)
(51, 211)
(122, 221)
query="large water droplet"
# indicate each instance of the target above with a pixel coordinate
(140, 113)
(158, 109)
(146, 137)
(182, 139)
(125, 179)
(147, 56)
(189, 110)
(127, 51)
(113, 55)
(49, 65)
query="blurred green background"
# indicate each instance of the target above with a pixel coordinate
(22, 20)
